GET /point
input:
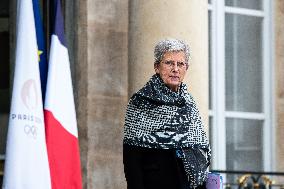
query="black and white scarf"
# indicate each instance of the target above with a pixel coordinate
(157, 117)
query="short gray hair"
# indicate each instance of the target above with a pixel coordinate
(170, 45)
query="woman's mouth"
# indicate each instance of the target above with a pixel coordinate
(175, 78)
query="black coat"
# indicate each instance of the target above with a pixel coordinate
(148, 168)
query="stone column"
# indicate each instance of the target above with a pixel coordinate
(76, 19)
(106, 94)
(151, 21)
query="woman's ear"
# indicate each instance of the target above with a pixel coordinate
(156, 68)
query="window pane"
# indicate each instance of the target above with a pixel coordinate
(243, 56)
(244, 147)
(210, 58)
(209, 1)
(249, 4)
(211, 138)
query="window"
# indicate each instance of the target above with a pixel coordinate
(240, 84)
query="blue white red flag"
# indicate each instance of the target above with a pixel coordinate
(26, 161)
(59, 112)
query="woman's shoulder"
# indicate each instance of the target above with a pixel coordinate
(189, 98)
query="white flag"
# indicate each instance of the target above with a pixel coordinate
(26, 164)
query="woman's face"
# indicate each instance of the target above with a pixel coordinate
(172, 69)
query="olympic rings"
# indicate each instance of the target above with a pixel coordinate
(31, 130)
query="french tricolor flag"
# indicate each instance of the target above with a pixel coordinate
(59, 113)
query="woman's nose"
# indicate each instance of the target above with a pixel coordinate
(175, 67)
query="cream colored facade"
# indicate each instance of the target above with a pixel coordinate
(111, 50)
(115, 41)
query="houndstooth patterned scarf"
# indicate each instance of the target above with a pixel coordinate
(157, 117)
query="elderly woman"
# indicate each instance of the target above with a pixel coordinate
(165, 146)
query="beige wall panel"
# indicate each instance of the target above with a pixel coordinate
(107, 60)
(107, 73)
(107, 174)
(105, 135)
(151, 21)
